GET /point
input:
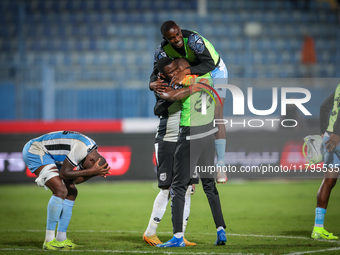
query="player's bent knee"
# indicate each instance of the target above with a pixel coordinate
(72, 191)
(333, 181)
(60, 190)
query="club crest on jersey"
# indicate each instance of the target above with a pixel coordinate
(162, 177)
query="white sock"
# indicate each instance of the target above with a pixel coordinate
(61, 236)
(219, 228)
(158, 210)
(186, 211)
(50, 235)
(179, 234)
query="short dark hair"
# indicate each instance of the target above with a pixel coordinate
(163, 62)
(167, 25)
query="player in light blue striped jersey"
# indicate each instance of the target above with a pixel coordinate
(52, 158)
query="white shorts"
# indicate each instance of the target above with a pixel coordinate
(220, 76)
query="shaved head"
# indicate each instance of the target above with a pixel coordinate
(102, 160)
(92, 158)
(167, 25)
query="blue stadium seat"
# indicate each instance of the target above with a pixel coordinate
(67, 60)
(7, 106)
(31, 105)
(66, 33)
(127, 96)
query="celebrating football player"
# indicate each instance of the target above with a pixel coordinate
(203, 58)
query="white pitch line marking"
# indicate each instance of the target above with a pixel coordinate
(168, 252)
(315, 251)
(167, 232)
(159, 251)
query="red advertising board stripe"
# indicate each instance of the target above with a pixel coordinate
(96, 126)
(118, 158)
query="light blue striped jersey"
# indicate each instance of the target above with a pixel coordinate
(64, 144)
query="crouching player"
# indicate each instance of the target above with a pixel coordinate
(52, 158)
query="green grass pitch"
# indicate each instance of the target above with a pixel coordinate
(262, 217)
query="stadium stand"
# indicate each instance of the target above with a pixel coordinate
(104, 49)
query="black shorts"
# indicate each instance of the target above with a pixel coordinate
(191, 155)
(164, 152)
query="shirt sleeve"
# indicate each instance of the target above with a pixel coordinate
(159, 53)
(161, 106)
(203, 56)
(325, 109)
(78, 153)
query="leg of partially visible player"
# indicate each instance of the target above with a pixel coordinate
(331, 158)
(324, 192)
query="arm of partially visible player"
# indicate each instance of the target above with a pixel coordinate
(67, 172)
(334, 138)
(325, 108)
(332, 142)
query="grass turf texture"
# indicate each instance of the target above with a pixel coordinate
(262, 217)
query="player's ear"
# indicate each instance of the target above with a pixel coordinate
(161, 75)
(89, 161)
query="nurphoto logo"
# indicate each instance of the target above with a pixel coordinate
(238, 105)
